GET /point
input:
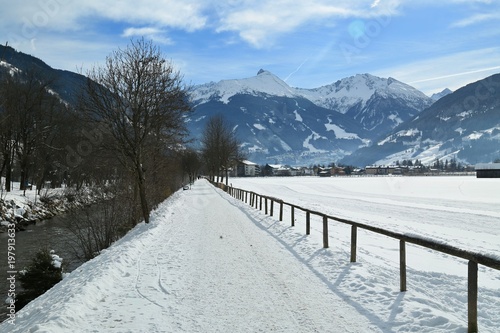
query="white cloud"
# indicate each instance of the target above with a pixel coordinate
(155, 34)
(257, 24)
(62, 15)
(261, 25)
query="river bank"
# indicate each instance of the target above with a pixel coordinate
(24, 208)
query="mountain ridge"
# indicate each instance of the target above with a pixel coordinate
(373, 106)
(464, 125)
(359, 120)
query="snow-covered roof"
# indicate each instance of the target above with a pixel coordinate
(276, 166)
(248, 162)
(488, 166)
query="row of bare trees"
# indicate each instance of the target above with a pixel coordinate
(220, 148)
(127, 129)
(32, 122)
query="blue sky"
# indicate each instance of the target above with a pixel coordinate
(430, 45)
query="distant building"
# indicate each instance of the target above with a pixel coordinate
(358, 171)
(385, 170)
(247, 169)
(325, 173)
(376, 170)
(488, 170)
(278, 170)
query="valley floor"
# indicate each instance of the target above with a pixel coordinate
(210, 263)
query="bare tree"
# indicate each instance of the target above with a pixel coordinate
(220, 146)
(28, 112)
(141, 100)
(191, 163)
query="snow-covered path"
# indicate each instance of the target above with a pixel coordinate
(204, 264)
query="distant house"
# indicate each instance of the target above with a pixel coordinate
(488, 170)
(247, 169)
(376, 170)
(307, 171)
(358, 171)
(325, 173)
(385, 170)
(338, 171)
(277, 170)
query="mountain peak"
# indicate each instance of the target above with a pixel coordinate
(264, 83)
(441, 94)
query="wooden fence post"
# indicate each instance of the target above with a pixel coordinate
(281, 210)
(246, 196)
(325, 231)
(402, 265)
(472, 297)
(265, 204)
(260, 200)
(272, 207)
(354, 242)
(308, 222)
(293, 216)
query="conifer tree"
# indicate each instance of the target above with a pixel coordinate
(42, 274)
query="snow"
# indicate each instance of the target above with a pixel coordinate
(263, 83)
(210, 263)
(259, 127)
(404, 133)
(344, 94)
(310, 146)
(297, 116)
(340, 96)
(340, 133)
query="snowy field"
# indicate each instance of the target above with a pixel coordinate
(461, 211)
(210, 263)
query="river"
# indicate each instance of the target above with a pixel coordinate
(49, 234)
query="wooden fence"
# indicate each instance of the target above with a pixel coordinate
(260, 202)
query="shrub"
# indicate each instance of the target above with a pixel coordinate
(42, 274)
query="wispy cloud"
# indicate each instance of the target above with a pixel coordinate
(475, 19)
(451, 71)
(261, 25)
(155, 34)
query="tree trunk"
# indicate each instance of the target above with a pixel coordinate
(142, 194)
(22, 185)
(8, 173)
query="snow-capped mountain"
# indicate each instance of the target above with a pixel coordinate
(280, 129)
(464, 125)
(441, 94)
(359, 120)
(277, 122)
(263, 84)
(378, 104)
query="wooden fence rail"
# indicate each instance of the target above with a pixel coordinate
(474, 259)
